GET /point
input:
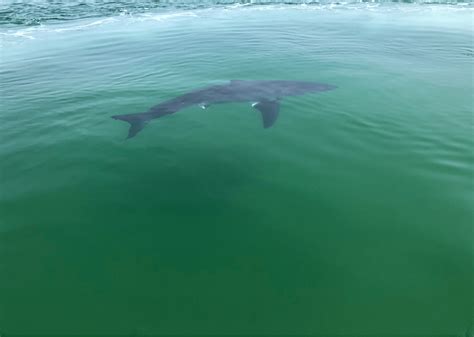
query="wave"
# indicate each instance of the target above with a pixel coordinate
(39, 12)
(85, 24)
(13, 33)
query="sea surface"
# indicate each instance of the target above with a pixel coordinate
(351, 216)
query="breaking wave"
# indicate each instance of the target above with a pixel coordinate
(39, 12)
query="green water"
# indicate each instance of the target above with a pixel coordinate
(351, 216)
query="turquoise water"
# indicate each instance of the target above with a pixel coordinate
(351, 216)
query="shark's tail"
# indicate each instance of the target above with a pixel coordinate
(137, 123)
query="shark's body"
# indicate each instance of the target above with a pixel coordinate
(265, 96)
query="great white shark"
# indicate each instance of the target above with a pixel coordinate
(265, 96)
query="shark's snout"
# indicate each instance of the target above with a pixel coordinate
(325, 87)
(318, 87)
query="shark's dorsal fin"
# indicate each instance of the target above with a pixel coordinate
(269, 110)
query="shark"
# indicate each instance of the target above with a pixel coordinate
(264, 95)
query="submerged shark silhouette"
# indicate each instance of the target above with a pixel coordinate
(265, 95)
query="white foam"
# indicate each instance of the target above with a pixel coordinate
(128, 18)
(163, 17)
(86, 26)
(22, 34)
(124, 17)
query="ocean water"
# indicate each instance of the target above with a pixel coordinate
(351, 216)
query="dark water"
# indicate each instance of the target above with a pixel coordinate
(351, 216)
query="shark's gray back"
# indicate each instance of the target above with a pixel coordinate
(248, 91)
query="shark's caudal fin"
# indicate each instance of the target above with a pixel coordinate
(137, 123)
(269, 110)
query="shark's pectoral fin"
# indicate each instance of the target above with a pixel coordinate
(269, 110)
